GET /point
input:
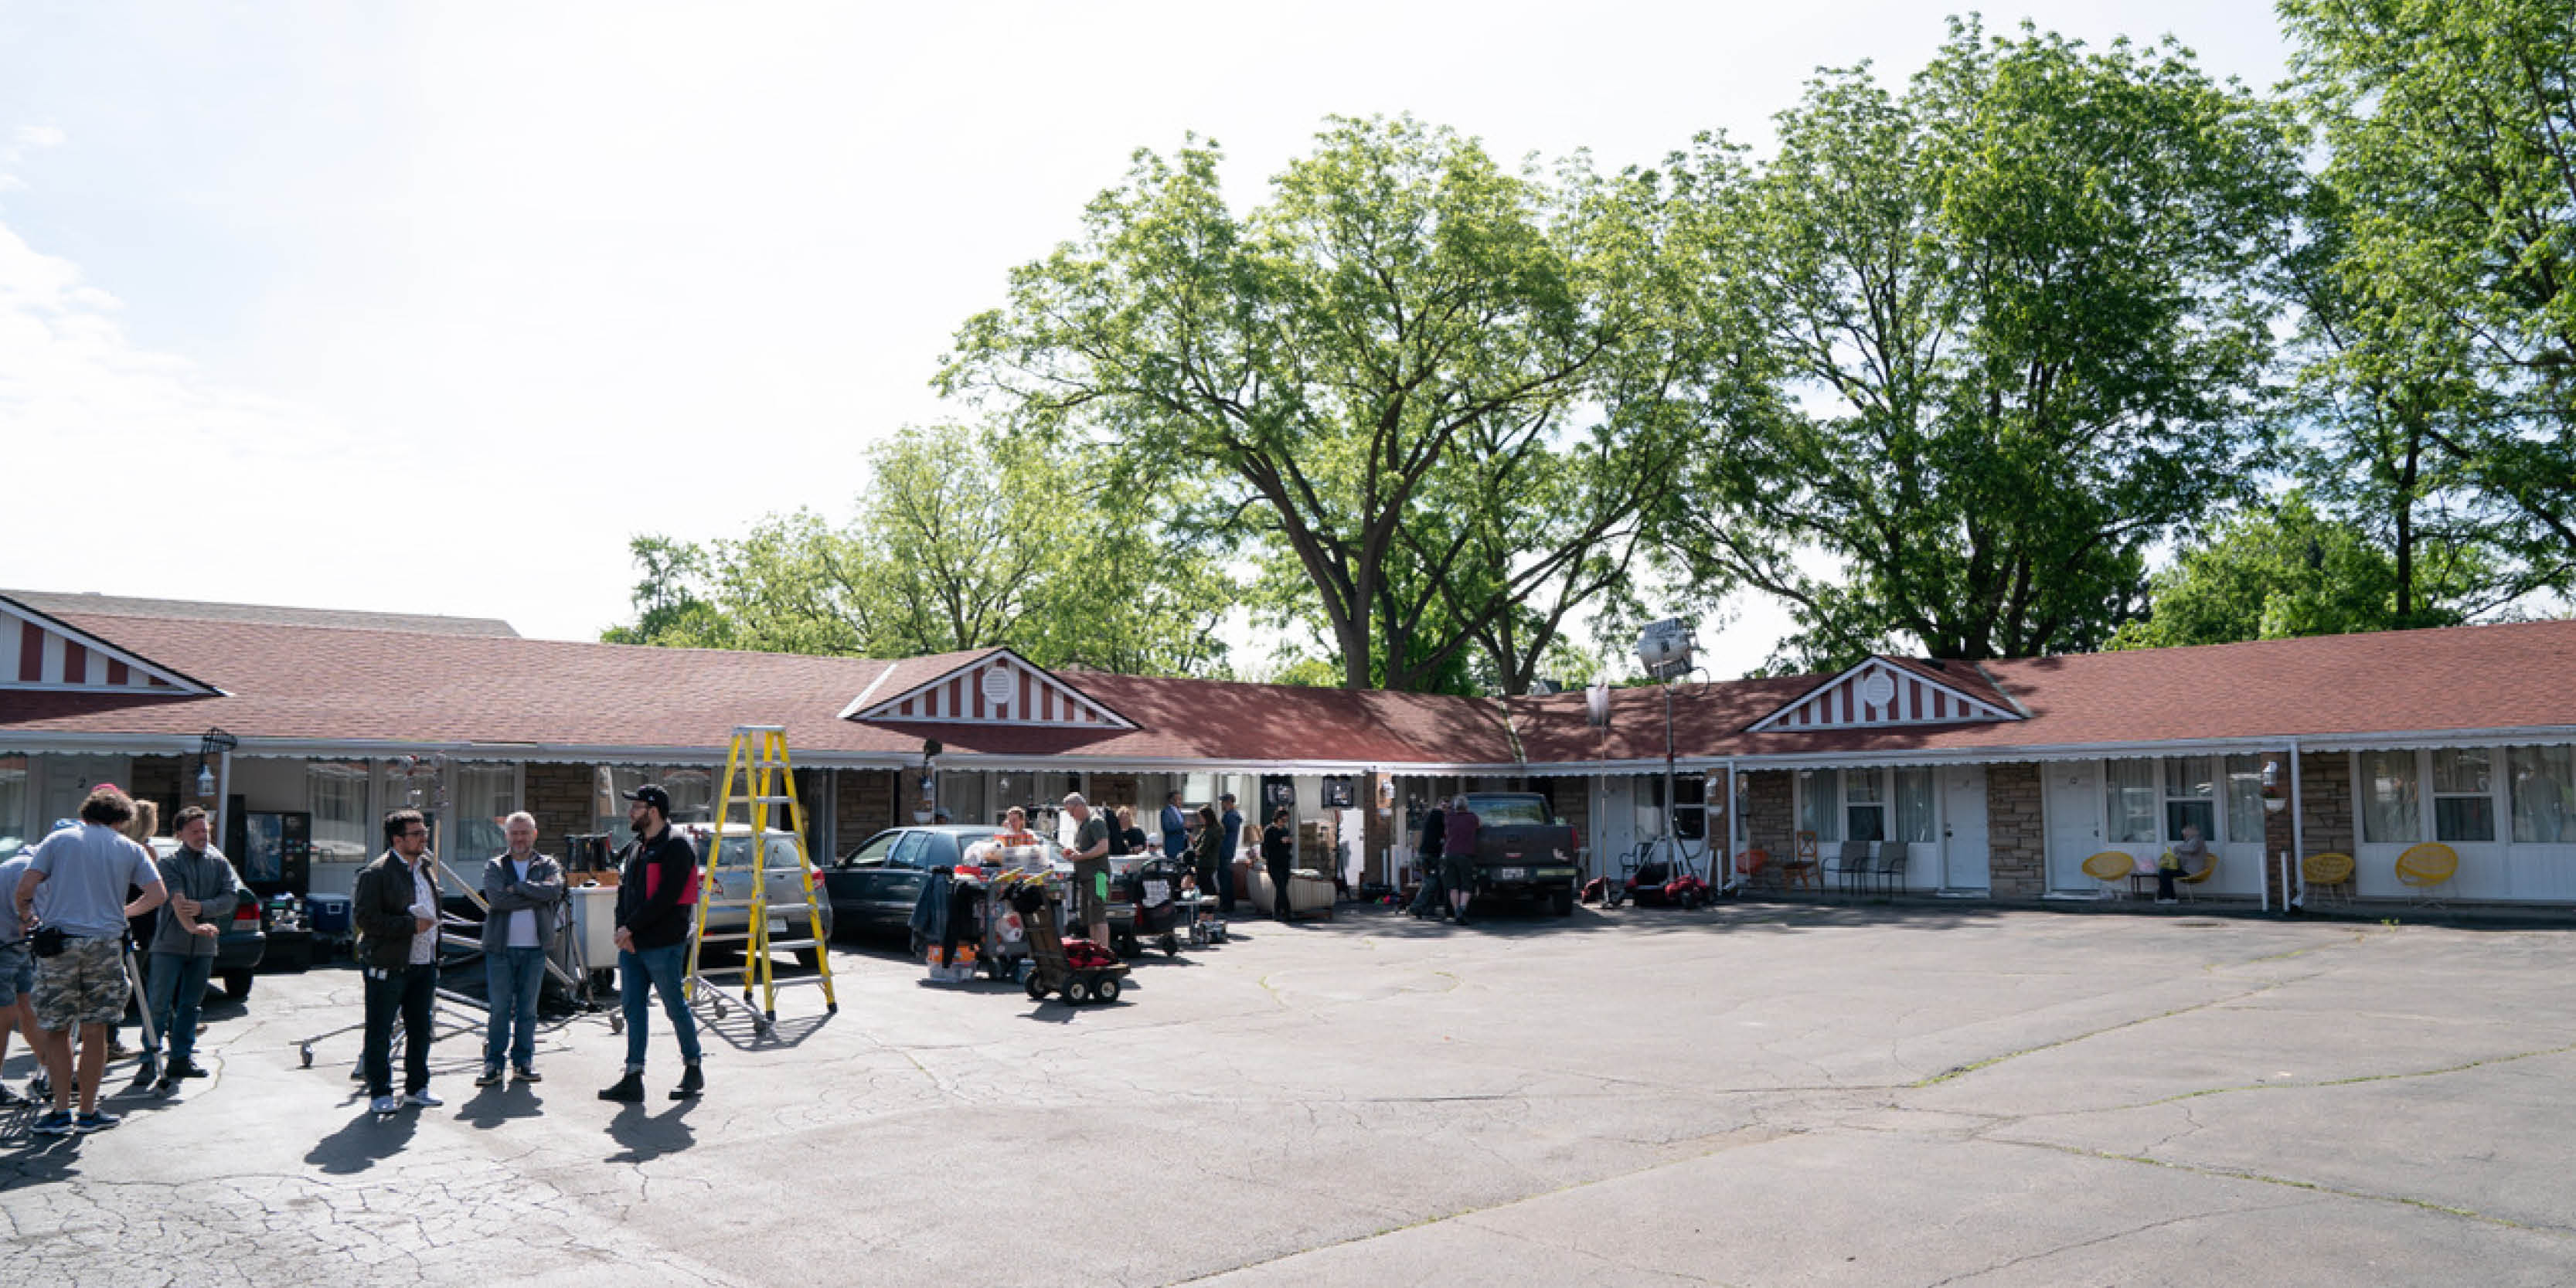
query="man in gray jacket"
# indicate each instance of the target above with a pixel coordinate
(203, 892)
(525, 894)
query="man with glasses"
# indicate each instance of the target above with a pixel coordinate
(396, 910)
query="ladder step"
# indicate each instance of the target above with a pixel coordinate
(724, 939)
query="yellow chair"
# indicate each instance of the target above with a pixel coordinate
(2111, 868)
(2189, 882)
(2330, 872)
(1803, 865)
(2424, 869)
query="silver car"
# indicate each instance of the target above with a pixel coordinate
(779, 872)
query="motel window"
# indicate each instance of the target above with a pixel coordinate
(2245, 798)
(2391, 811)
(1914, 805)
(485, 794)
(2129, 798)
(2191, 797)
(337, 790)
(2544, 794)
(1820, 793)
(962, 795)
(1865, 805)
(13, 804)
(2463, 794)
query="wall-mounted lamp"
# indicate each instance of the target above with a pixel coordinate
(214, 744)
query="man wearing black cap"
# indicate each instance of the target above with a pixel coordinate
(657, 888)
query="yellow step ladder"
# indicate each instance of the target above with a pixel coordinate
(757, 777)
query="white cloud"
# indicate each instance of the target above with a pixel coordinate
(37, 136)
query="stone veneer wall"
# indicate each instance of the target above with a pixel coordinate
(1768, 812)
(2016, 835)
(2325, 802)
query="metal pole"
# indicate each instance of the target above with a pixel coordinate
(1672, 808)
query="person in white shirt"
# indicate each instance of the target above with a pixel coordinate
(524, 896)
(396, 908)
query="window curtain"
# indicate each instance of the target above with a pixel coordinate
(2391, 809)
(1865, 808)
(1820, 804)
(337, 793)
(14, 826)
(1914, 805)
(2129, 790)
(2245, 798)
(485, 794)
(2544, 794)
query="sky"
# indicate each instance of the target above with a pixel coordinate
(430, 308)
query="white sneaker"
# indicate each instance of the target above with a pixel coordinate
(422, 1099)
(386, 1104)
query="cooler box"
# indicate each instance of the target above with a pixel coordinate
(328, 914)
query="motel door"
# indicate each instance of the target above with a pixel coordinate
(2074, 807)
(1963, 829)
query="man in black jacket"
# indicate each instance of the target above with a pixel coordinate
(657, 890)
(396, 910)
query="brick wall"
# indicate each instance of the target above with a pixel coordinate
(2016, 838)
(559, 795)
(862, 804)
(1768, 812)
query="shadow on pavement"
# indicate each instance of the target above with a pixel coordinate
(363, 1142)
(647, 1136)
(492, 1106)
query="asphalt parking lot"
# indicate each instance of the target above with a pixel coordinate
(1758, 1095)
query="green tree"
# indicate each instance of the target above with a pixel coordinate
(2285, 571)
(2452, 136)
(964, 539)
(2011, 303)
(1381, 374)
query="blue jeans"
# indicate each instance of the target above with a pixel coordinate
(511, 978)
(174, 988)
(657, 970)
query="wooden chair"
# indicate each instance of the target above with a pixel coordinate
(2425, 869)
(2111, 868)
(1802, 865)
(2331, 872)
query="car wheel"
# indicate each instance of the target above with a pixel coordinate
(810, 958)
(237, 984)
(1107, 990)
(1563, 903)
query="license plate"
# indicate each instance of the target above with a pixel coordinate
(1511, 874)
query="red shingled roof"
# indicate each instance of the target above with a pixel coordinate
(329, 684)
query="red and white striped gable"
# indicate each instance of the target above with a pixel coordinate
(998, 688)
(41, 652)
(1878, 693)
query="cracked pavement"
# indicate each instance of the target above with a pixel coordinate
(1764, 1094)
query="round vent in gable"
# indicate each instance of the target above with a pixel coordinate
(1877, 690)
(999, 686)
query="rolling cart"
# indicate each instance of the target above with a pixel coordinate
(1050, 969)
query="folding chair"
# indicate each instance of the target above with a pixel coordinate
(1890, 868)
(1851, 865)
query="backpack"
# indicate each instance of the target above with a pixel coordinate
(1117, 838)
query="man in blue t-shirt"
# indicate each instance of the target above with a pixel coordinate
(74, 892)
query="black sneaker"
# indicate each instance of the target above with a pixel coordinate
(10, 1099)
(491, 1076)
(528, 1073)
(183, 1069)
(629, 1089)
(691, 1083)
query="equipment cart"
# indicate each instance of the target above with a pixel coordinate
(1051, 971)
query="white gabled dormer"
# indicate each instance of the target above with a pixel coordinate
(1881, 692)
(41, 652)
(997, 687)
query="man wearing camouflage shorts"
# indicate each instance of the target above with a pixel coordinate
(73, 900)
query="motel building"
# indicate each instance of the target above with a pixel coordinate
(1992, 780)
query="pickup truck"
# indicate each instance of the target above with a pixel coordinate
(1523, 851)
